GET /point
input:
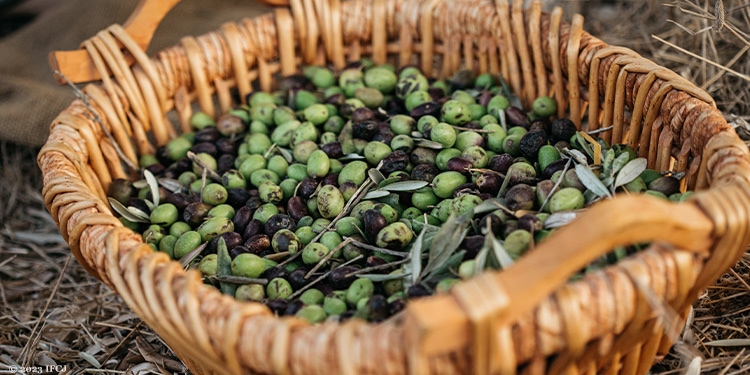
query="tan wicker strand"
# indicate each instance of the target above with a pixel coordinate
(535, 40)
(285, 27)
(90, 133)
(161, 130)
(572, 52)
(140, 57)
(522, 46)
(379, 34)
(337, 35)
(207, 330)
(553, 44)
(109, 49)
(637, 117)
(230, 33)
(594, 84)
(200, 81)
(509, 57)
(628, 64)
(109, 86)
(122, 134)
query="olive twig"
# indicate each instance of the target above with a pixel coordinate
(376, 268)
(321, 277)
(557, 185)
(485, 170)
(239, 280)
(472, 129)
(327, 257)
(378, 249)
(600, 130)
(214, 176)
(352, 201)
(95, 116)
(277, 255)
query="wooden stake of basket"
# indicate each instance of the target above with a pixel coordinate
(527, 319)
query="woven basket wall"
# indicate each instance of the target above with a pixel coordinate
(527, 319)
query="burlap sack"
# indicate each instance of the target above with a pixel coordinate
(30, 98)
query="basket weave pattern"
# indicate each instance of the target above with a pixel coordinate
(526, 319)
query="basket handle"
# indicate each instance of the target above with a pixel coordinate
(77, 66)
(474, 310)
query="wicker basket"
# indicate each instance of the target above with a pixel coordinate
(527, 319)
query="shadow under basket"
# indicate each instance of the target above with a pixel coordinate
(528, 319)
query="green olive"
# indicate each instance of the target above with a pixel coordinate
(314, 252)
(446, 183)
(394, 236)
(214, 194)
(213, 227)
(318, 165)
(278, 288)
(186, 243)
(376, 151)
(358, 290)
(250, 292)
(164, 214)
(312, 297)
(330, 201)
(566, 199)
(444, 134)
(208, 266)
(248, 265)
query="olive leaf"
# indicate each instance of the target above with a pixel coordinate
(428, 144)
(287, 154)
(153, 186)
(448, 268)
(417, 135)
(375, 175)
(224, 267)
(415, 256)
(609, 158)
(433, 228)
(135, 217)
(501, 116)
(630, 171)
(585, 146)
(620, 162)
(187, 258)
(489, 205)
(578, 156)
(559, 219)
(446, 242)
(406, 185)
(171, 184)
(508, 93)
(389, 181)
(589, 179)
(480, 262)
(140, 184)
(498, 250)
(375, 194)
(351, 157)
(379, 277)
(150, 205)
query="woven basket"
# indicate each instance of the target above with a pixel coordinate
(527, 319)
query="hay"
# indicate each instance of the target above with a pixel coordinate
(53, 313)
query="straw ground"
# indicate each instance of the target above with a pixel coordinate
(53, 313)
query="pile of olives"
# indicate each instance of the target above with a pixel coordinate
(344, 195)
